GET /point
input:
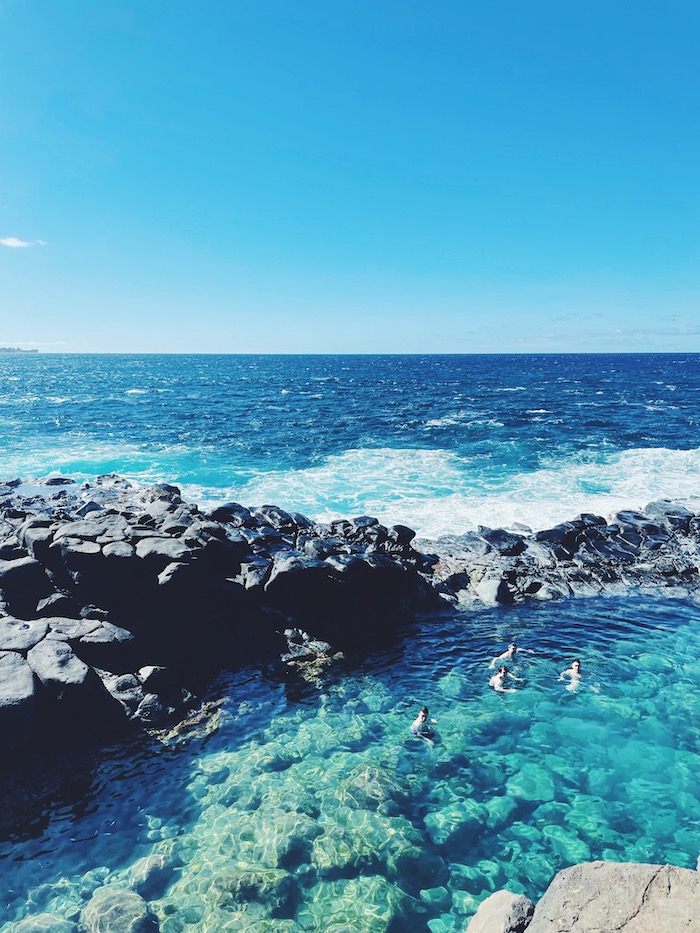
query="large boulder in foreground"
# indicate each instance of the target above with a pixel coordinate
(624, 897)
(502, 912)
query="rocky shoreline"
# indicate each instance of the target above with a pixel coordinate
(657, 547)
(117, 603)
(595, 897)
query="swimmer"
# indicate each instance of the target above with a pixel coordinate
(509, 654)
(498, 681)
(421, 725)
(573, 673)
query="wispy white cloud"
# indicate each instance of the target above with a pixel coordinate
(14, 243)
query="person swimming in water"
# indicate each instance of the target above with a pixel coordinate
(573, 673)
(499, 680)
(509, 654)
(421, 725)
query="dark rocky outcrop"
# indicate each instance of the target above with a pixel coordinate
(601, 896)
(117, 604)
(17, 698)
(589, 555)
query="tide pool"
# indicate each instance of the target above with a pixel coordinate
(304, 804)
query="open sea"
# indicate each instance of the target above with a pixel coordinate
(305, 805)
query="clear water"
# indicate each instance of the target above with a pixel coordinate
(296, 805)
(317, 791)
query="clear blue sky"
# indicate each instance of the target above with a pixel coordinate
(349, 176)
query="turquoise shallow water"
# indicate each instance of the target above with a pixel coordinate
(299, 804)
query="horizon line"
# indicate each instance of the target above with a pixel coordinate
(34, 352)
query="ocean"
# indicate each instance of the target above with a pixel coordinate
(298, 805)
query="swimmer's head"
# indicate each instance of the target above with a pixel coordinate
(424, 712)
(512, 647)
(502, 669)
(576, 665)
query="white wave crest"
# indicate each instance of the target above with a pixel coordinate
(435, 492)
(448, 420)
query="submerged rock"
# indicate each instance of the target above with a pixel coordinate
(149, 876)
(370, 788)
(114, 909)
(342, 906)
(44, 923)
(455, 825)
(531, 783)
(277, 890)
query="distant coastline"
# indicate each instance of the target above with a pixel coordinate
(16, 350)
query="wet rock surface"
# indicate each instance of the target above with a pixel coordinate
(117, 603)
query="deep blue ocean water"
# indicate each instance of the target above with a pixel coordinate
(315, 790)
(442, 443)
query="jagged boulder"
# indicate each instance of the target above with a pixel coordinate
(57, 604)
(673, 515)
(20, 634)
(300, 585)
(109, 646)
(233, 514)
(73, 695)
(24, 582)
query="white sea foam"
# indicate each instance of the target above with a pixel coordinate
(468, 419)
(136, 392)
(435, 492)
(449, 420)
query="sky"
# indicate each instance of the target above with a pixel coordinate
(347, 176)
